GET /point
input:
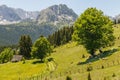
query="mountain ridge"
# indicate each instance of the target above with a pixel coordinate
(10, 33)
(57, 14)
(9, 15)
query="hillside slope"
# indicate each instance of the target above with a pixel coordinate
(71, 60)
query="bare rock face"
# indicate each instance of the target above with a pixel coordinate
(57, 15)
(26, 14)
(8, 14)
(12, 15)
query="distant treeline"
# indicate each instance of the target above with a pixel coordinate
(61, 36)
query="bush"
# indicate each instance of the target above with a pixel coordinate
(102, 67)
(83, 56)
(23, 60)
(68, 78)
(6, 55)
(90, 68)
(114, 75)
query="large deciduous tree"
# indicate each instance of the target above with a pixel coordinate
(41, 48)
(93, 30)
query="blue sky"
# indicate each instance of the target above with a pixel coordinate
(109, 7)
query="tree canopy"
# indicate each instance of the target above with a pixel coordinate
(93, 30)
(41, 48)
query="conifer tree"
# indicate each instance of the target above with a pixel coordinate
(61, 36)
(25, 44)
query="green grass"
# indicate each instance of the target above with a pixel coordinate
(12, 71)
(67, 61)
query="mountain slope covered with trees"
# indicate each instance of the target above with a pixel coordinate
(43, 25)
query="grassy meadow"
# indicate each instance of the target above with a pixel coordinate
(68, 60)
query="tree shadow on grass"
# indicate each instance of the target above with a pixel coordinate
(37, 62)
(99, 56)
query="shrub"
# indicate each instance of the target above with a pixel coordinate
(90, 68)
(23, 60)
(68, 78)
(83, 56)
(102, 67)
(114, 75)
(6, 55)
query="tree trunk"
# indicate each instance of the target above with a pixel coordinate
(92, 52)
(100, 50)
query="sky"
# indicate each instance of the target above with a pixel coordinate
(109, 7)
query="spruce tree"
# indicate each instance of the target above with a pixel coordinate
(25, 44)
(61, 36)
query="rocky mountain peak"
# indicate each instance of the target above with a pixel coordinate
(57, 14)
(9, 15)
(58, 8)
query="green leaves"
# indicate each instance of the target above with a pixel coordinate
(93, 29)
(6, 55)
(41, 48)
